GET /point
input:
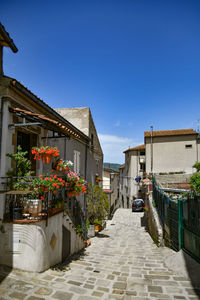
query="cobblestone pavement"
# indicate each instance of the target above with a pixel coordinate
(121, 263)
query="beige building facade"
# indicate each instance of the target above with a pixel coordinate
(111, 188)
(131, 174)
(82, 119)
(171, 150)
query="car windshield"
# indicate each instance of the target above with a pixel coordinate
(138, 202)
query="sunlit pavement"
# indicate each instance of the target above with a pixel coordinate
(121, 263)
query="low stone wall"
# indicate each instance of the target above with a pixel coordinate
(173, 178)
(153, 223)
(36, 247)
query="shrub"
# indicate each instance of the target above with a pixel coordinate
(195, 182)
(197, 166)
(97, 204)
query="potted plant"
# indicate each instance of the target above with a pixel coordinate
(75, 185)
(48, 183)
(63, 165)
(19, 179)
(98, 179)
(45, 152)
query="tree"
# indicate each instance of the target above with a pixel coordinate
(195, 179)
(97, 204)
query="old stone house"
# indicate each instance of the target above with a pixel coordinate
(165, 151)
(171, 150)
(82, 119)
(111, 188)
(131, 174)
(28, 121)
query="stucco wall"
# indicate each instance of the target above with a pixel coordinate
(35, 247)
(170, 154)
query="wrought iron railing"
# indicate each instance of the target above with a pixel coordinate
(21, 207)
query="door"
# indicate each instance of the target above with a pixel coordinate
(66, 238)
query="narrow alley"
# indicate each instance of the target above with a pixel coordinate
(121, 263)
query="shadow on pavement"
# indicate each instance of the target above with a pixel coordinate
(102, 235)
(65, 264)
(143, 221)
(4, 272)
(185, 266)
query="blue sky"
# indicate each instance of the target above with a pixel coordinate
(135, 63)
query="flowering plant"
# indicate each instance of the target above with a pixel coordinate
(98, 178)
(48, 150)
(63, 165)
(75, 185)
(48, 183)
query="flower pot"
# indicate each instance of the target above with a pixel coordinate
(69, 194)
(91, 231)
(44, 188)
(46, 158)
(35, 207)
(96, 228)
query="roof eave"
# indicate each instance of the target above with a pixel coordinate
(15, 84)
(7, 39)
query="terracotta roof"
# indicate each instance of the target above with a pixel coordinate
(61, 127)
(122, 167)
(170, 132)
(5, 39)
(139, 147)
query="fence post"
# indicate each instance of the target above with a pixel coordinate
(180, 222)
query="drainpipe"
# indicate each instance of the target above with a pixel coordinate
(197, 141)
(84, 204)
(2, 102)
(1, 60)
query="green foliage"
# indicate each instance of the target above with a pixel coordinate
(197, 166)
(22, 169)
(79, 228)
(97, 204)
(195, 182)
(113, 166)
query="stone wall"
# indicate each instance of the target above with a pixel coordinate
(152, 221)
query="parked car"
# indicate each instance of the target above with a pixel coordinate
(138, 205)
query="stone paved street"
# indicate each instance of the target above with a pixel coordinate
(122, 263)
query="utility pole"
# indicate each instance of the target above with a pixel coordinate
(198, 137)
(151, 127)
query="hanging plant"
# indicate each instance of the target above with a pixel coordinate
(45, 152)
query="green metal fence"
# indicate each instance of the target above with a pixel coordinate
(168, 211)
(190, 235)
(180, 220)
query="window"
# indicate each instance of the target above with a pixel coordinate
(188, 146)
(142, 167)
(142, 152)
(77, 162)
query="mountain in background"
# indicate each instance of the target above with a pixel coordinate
(112, 166)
